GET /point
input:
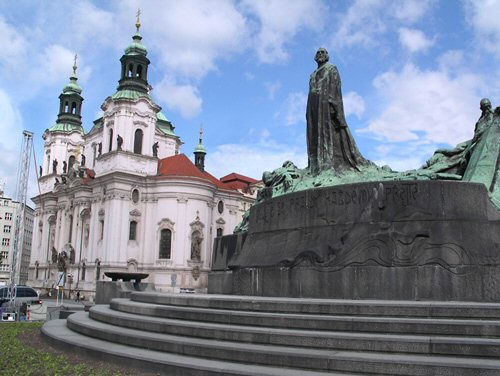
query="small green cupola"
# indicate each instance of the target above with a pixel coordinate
(199, 153)
(70, 107)
(135, 64)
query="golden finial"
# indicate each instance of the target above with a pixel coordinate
(138, 23)
(74, 65)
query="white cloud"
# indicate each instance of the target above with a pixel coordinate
(11, 130)
(252, 159)
(366, 20)
(198, 33)
(272, 88)
(354, 104)
(426, 105)
(403, 156)
(279, 21)
(451, 59)
(293, 109)
(410, 11)
(483, 16)
(184, 98)
(414, 40)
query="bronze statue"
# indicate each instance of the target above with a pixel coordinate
(329, 141)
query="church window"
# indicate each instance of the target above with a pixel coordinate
(66, 107)
(220, 232)
(139, 71)
(135, 196)
(132, 235)
(73, 108)
(71, 162)
(70, 228)
(165, 243)
(83, 160)
(101, 224)
(220, 207)
(138, 141)
(110, 139)
(130, 72)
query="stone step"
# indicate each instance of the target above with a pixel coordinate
(285, 356)
(326, 306)
(306, 338)
(164, 363)
(382, 324)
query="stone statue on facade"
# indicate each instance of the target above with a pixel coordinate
(65, 167)
(54, 255)
(330, 144)
(40, 170)
(119, 142)
(54, 166)
(99, 149)
(61, 261)
(196, 246)
(155, 149)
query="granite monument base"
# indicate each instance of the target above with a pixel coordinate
(108, 290)
(401, 240)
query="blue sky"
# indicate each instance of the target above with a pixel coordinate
(412, 72)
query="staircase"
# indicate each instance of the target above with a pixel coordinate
(188, 334)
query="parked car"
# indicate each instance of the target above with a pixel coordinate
(22, 294)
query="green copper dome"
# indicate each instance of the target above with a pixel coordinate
(200, 149)
(136, 48)
(66, 128)
(72, 86)
(130, 94)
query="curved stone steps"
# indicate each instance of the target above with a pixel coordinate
(293, 358)
(305, 338)
(164, 363)
(393, 308)
(382, 324)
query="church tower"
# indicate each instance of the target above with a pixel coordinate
(64, 142)
(135, 64)
(199, 153)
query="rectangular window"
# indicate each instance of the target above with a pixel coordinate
(5, 241)
(6, 229)
(165, 243)
(102, 228)
(132, 231)
(8, 216)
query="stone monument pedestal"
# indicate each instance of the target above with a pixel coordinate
(395, 240)
(108, 290)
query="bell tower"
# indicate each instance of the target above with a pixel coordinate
(135, 64)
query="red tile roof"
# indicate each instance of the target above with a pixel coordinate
(181, 166)
(237, 181)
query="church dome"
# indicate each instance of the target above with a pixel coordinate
(72, 86)
(200, 149)
(136, 48)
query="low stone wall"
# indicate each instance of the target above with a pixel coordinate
(410, 240)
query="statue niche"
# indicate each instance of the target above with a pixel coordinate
(196, 240)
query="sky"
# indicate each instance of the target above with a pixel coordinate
(413, 72)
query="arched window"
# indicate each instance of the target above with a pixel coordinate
(71, 162)
(110, 139)
(139, 71)
(130, 72)
(138, 141)
(73, 108)
(66, 107)
(165, 243)
(219, 232)
(70, 228)
(132, 234)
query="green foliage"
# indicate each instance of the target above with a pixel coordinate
(18, 359)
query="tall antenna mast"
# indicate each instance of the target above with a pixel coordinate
(21, 192)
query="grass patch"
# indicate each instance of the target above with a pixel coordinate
(16, 358)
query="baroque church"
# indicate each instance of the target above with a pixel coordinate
(122, 197)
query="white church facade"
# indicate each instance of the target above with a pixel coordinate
(122, 197)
